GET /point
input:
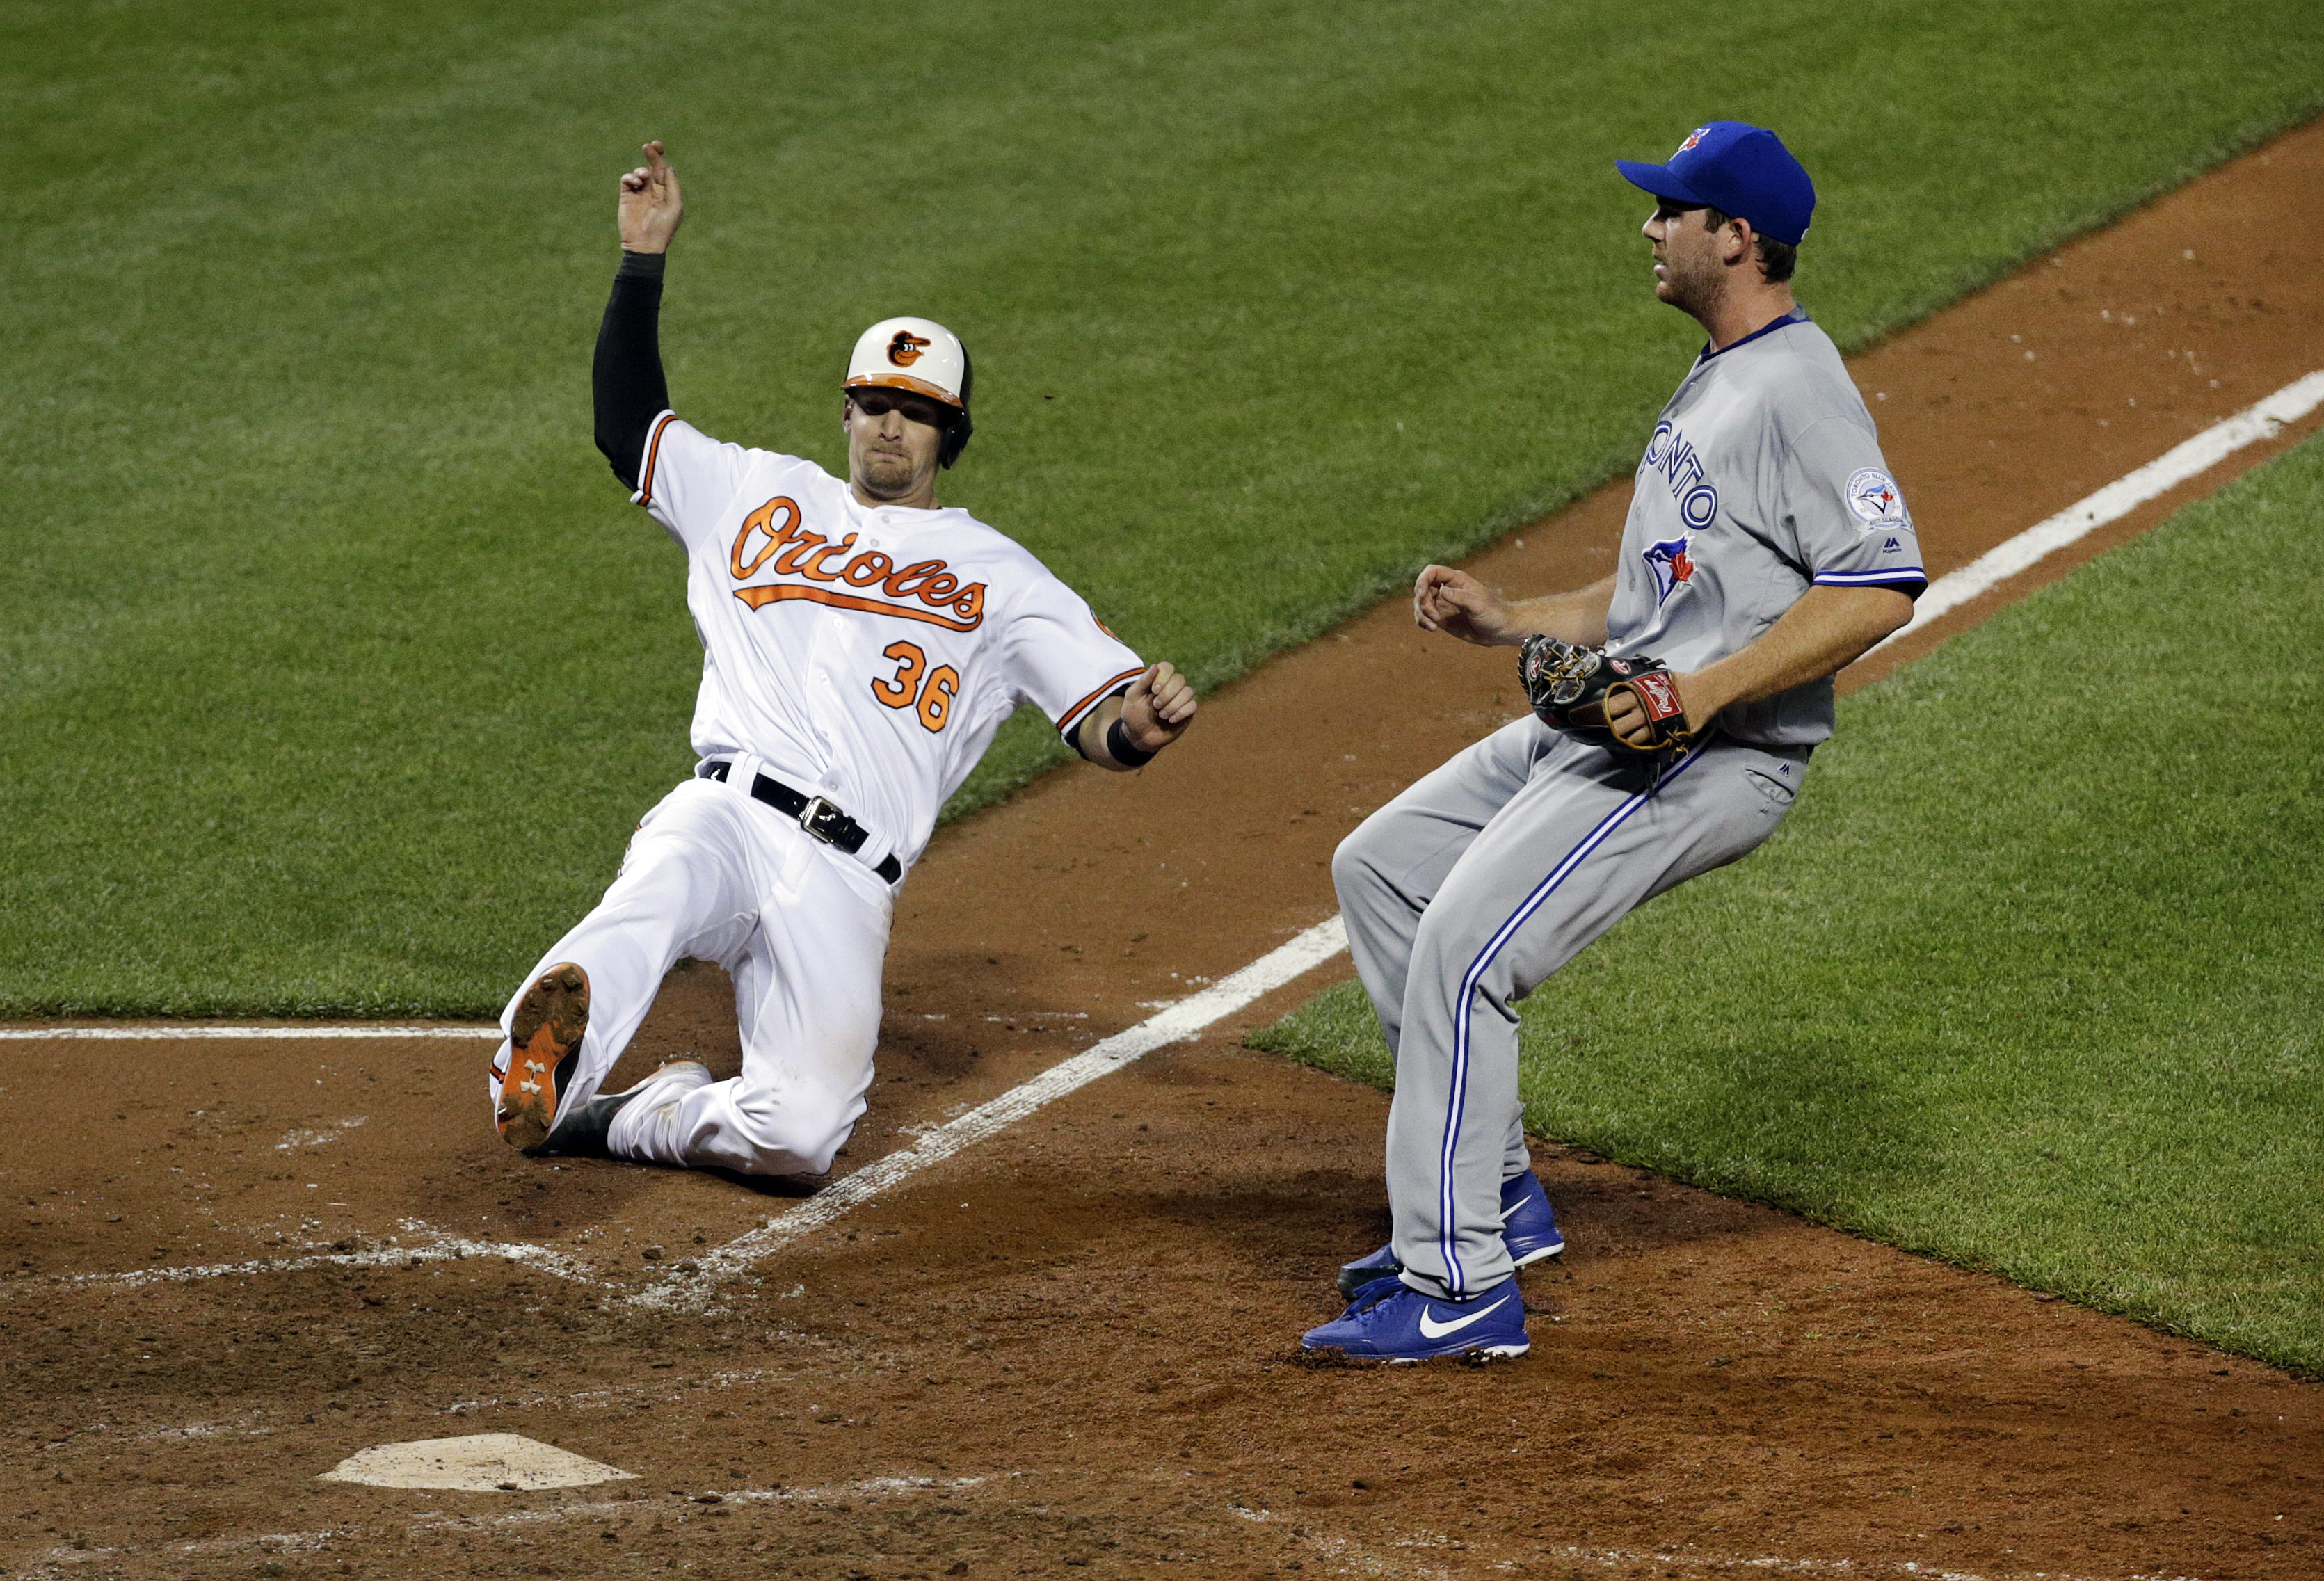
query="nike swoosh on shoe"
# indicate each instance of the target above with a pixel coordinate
(1432, 1329)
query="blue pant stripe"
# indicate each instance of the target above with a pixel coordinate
(1454, 1111)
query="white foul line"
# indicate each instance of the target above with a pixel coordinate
(43, 1034)
(1180, 1022)
(2118, 498)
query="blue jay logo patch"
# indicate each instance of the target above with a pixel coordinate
(1671, 564)
(1874, 497)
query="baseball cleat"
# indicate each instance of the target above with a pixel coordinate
(1529, 1228)
(1389, 1321)
(544, 1048)
(1368, 1271)
(588, 1131)
(1528, 1224)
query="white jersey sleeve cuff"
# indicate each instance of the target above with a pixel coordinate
(1072, 718)
(644, 494)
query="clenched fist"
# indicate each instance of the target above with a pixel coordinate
(1158, 708)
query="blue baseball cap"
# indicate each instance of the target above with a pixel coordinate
(1738, 169)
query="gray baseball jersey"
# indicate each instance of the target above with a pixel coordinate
(1763, 478)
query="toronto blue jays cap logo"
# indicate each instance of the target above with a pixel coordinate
(1693, 139)
(1671, 564)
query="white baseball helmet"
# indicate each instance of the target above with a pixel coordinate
(923, 357)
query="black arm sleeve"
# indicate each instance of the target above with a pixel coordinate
(626, 378)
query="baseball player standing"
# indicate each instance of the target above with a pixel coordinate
(861, 644)
(1766, 547)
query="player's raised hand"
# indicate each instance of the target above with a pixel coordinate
(1459, 605)
(1158, 708)
(652, 205)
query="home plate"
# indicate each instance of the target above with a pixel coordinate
(507, 1462)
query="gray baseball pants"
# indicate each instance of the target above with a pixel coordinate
(1463, 894)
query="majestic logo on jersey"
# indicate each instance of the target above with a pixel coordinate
(906, 348)
(1672, 568)
(924, 589)
(1874, 497)
(1669, 454)
(1693, 139)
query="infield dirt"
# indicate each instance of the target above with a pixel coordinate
(1071, 1348)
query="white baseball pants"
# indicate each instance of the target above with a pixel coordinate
(803, 930)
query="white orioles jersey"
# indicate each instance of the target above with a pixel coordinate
(864, 654)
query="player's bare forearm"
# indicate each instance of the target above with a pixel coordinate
(1827, 629)
(1459, 605)
(1154, 712)
(1578, 617)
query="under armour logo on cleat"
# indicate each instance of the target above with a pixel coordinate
(528, 1087)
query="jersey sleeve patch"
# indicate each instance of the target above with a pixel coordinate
(1874, 500)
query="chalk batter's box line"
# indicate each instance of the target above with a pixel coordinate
(434, 1245)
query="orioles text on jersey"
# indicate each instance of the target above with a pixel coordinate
(823, 568)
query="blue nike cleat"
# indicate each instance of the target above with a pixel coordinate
(1529, 1228)
(1367, 1271)
(1392, 1322)
(1528, 1224)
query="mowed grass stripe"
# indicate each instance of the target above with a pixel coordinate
(2028, 979)
(333, 670)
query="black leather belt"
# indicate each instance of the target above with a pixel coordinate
(818, 817)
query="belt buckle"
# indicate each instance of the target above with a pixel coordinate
(817, 808)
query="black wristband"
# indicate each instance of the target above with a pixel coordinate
(641, 265)
(1118, 747)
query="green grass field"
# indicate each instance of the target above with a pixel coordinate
(333, 671)
(2029, 980)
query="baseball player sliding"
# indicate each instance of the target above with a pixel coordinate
(1678, 702)
(861, 644)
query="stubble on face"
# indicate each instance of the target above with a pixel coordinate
(1693, 280)
(891, 459)
(1687, 273)
(885, 474)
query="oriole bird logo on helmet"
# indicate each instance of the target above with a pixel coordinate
(939, 370)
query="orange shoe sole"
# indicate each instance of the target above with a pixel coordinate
(544, 1046)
